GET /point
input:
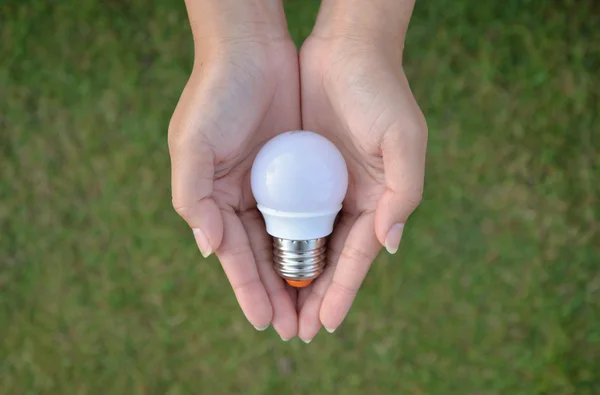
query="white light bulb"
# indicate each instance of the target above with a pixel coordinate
(299, 180)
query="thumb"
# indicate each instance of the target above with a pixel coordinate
(403, 151)
(192, 174)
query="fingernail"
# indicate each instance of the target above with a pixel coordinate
(330, 330)
(202, 241)
(262, 329)
(392, 240)
(284, 339)
(307, 341)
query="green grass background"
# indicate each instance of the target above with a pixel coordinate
(496, 288)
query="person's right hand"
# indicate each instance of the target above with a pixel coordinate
(243, 90)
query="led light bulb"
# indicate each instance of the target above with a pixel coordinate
(299, 180)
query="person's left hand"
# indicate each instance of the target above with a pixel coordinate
(356, 94)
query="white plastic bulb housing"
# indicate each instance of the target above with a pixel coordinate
(299, 180)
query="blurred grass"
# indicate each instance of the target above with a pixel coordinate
(496, 289)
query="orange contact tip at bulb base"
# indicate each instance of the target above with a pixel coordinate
(299, 283)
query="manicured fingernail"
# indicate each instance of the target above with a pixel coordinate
(202, 241)
(307, 341)
(330, 330)
(392, 240)
(262, 329)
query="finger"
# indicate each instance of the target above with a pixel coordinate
(342, 225)
(192, 173)
(285, 319)
(237, 259)
(311, 297)
(293, 293)
(359, 251)
(403, 151)
(335, 244)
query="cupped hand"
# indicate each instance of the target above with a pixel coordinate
(240, 94)
(355, 93)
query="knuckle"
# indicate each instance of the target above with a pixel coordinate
(414, 197)
(346, 289)
(333, 256)
(246, 284)
(264, 255)
(188, 210)
(277, 292)
(182, 211)
(354, 255)
(236, 253)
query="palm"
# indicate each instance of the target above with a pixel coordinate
(334, 107)
(254, 106)
(235, 104)
(354, 101)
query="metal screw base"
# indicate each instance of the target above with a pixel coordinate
(299, 260)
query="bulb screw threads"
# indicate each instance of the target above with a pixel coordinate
(299, 261)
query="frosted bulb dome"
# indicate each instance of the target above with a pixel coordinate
(299, 180)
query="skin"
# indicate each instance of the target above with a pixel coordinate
(244, 90)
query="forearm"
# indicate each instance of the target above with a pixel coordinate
(373, 19)
(222, 20)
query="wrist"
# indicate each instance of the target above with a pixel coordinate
(216, 22)
(374, 21)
